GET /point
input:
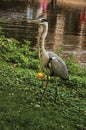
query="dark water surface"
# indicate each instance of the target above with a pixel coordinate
(67, 26)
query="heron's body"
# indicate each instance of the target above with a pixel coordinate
(51, 63)
(55, 66)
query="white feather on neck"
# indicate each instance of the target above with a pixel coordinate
(42, 52)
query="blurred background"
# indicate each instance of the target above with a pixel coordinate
(67, 24)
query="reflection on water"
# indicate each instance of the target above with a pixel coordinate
(67, 27)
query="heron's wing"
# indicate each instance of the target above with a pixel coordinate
(58, 66)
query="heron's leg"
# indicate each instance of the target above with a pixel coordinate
(56, 90)
(45, 88)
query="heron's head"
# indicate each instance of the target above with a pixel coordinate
(41, 21)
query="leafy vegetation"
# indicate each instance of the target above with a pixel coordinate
(21, 90)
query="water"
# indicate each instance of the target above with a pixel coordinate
(67, 26)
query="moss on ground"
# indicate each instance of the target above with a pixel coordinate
(20, 91)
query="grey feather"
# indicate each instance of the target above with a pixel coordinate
(58, 66)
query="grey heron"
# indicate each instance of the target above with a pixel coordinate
(51, 63)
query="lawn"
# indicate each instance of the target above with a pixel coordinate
(21, 90)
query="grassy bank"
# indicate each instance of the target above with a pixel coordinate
(20, 91)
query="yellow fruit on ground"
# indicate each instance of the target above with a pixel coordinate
(40, 75)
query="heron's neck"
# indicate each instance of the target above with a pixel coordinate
(43, 55)
(43, 37)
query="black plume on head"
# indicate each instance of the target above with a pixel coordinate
(44, 20)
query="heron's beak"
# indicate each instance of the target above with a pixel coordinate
(33, 21)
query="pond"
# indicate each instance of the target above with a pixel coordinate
(67, 25)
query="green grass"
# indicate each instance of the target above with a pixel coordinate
(20, 91)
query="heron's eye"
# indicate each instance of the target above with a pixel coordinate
(43, 20)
